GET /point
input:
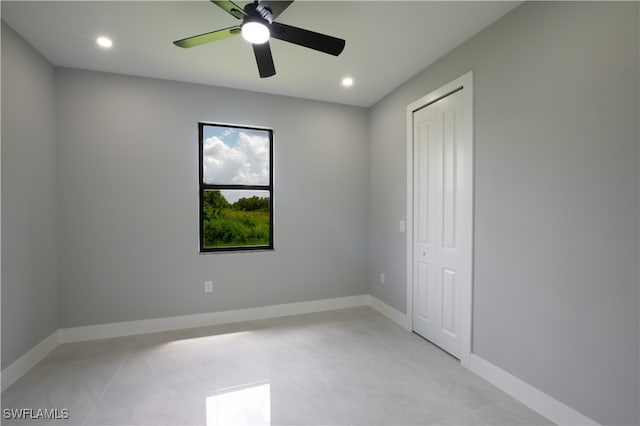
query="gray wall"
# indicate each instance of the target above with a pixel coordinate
(29, 214)
(556, 235)
(128, 200)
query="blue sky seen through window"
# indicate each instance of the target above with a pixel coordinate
(236, 156)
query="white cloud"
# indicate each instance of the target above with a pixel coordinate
(227, 133)
(245, 163)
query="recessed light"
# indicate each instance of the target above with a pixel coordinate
(347, 82)
(104, 42)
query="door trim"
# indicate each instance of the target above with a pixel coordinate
(466, 304)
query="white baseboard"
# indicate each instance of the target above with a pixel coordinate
(392, 313)
(128, 328)
(26, 362)
(547, 406)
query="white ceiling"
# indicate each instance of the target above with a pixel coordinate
(387, 42)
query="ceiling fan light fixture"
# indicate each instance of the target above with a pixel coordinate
(255, 32)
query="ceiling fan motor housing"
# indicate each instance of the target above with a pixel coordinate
(256, 24)
(257, 12)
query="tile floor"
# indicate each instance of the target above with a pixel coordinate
(344, 367)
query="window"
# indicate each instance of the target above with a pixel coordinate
(236, 187)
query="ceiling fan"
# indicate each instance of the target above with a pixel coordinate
(258, 26)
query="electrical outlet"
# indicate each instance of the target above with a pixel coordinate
(208, 286)
(382, 278)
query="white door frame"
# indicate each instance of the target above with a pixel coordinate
(466, 82)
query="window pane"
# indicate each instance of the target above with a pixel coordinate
(236, 218)
(235, 156)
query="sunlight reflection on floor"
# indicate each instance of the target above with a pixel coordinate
(241, 405)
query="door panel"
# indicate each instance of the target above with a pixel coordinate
(424, 312)
(425, 137)
(448, 302)
(449, 179)
(423, 181)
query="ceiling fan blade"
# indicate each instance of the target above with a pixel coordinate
(306, 38)
(230, 7)
(208, 37)
(264, 59)
(276, 7)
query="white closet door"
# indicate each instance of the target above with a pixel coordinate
(438, 227)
